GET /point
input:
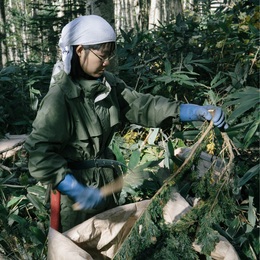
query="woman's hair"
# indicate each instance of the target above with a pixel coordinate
(76, 70)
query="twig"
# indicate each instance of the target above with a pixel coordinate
(238, 153)
(217, 196)
(145, 140)
(6, 168)
(137, 81)
(254, 61)
(195, 147)
(227, 141)
(22, 169)
(181, 62)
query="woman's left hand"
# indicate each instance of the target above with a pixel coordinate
(191, 112)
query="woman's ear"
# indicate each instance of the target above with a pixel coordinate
(79, 50)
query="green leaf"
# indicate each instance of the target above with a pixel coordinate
(150, 185)
(170, 159)
(7, 178)
(212, 97)
(11, 70)
(249, 175)
(5, 79)
(3, 211)
(248, 250)
(127, 66)
(168, 69)
(168, 162)
(189, 67)
(187, 135)
(153, 135)
(233, 227)
(251, 212)
(251, 131)
(37, 190)
(14, 200)
(185, 190)
(23, 122)
(146, 165)
(35, 201)
(119, 156)
(238, 127)
(243, 107)
(204, 67)
(247, 91)
(134, 159)
(38, 234)
(188, 58)
(224, 27)
(21, 221)
(165, 79)
(253, 29)
(219, 82)
(254, 240)
(202, 61)
(215, 79)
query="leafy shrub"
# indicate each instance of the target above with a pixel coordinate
(22, 87)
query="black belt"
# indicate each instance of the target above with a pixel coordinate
(78, 165)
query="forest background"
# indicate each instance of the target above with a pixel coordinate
(201, 52)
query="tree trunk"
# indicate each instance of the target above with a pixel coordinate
(105, 9)
(178, 8)
(3, 48)
(23, 32)
(169, 10)
(153, 13)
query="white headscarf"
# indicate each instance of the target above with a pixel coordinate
(84, 30)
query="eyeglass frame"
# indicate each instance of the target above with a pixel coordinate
(103, 60)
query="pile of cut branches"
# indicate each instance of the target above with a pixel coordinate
(152, 238)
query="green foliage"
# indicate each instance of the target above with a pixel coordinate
(24, 221)
(213, 59)
(248, 101)
(21, 89)
(172, 45)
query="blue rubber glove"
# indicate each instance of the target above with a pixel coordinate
(191, 112)
(87, 197)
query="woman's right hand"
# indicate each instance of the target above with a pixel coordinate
(85, 197)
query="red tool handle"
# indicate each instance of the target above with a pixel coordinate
(55, 210)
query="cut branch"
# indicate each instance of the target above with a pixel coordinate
(12, 147)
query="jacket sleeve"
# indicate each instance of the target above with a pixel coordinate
(50, 134)
(147, 110)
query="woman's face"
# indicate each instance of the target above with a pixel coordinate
(90, 61)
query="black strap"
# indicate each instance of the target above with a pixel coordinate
(78, 165)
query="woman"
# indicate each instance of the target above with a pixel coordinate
(80, 113)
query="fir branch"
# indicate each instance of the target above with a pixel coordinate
(151, 218)
(146, 236)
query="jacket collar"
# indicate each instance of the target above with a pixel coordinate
(92, 89)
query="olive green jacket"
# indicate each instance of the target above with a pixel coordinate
(76, 122)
